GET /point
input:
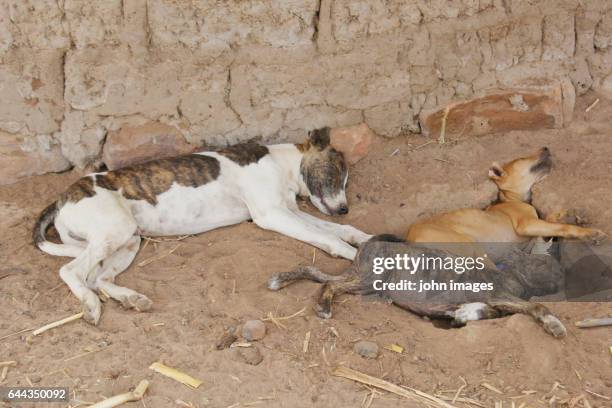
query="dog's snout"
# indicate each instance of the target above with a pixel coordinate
(545, 152)
(343, 209)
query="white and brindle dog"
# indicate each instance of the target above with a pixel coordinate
(101, 216)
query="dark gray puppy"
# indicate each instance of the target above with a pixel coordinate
(511, 284)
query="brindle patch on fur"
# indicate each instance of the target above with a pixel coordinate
(319, 138)
(324, 172)
(147, 180)
(244, 154)
(82, 188)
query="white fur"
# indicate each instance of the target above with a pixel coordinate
(554, 326)
(469, 312)
(108, 225)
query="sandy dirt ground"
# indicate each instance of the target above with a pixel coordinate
(204, 284)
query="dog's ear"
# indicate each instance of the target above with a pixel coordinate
(319, 138)
(496, 171)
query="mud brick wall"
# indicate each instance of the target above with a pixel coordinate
(74, 71)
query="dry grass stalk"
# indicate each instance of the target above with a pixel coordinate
(529, 392)
(598, 395)
(423, 145)
(117, 400)
(86, 353)
(369, 398)
(184, 404)
(4, 374)
(36, 295)
(11, 363)
(276, 320)
(158, 257)
(458, 393)
(306, 343)
(167, 239)
(463, 400)
(578, 374)
(396, 348)
(241, 344)
(492, 388)
(325, 356)
(605, 321)
(16, 333)
(176, 375)
(57, 324)
(442, 138)
(409, 393)
(591, 106)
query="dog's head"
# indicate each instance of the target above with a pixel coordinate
(516, 178)
(324, 173)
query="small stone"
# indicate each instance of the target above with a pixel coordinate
(35, 378)
(226, 339)
(250, 355)
(253, 330)
(353, 141)
(366, 349)
(528, 108)
(28, 156)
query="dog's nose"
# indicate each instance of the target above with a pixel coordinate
(343, 209)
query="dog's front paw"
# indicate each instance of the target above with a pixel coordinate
(361, 238)
(355, 237)
(347, 252)
(596, 236)
(553, 326)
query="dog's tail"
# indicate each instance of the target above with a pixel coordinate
(46, 217)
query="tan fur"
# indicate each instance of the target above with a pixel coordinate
(513, 219)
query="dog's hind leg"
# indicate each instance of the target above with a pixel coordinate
(113, 266)
(72, 274)
(347, 282)
(538, 311)
(329, 290)
(76, 273)
(280, 280)
(107, 225)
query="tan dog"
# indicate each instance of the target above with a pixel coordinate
(511, 219)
